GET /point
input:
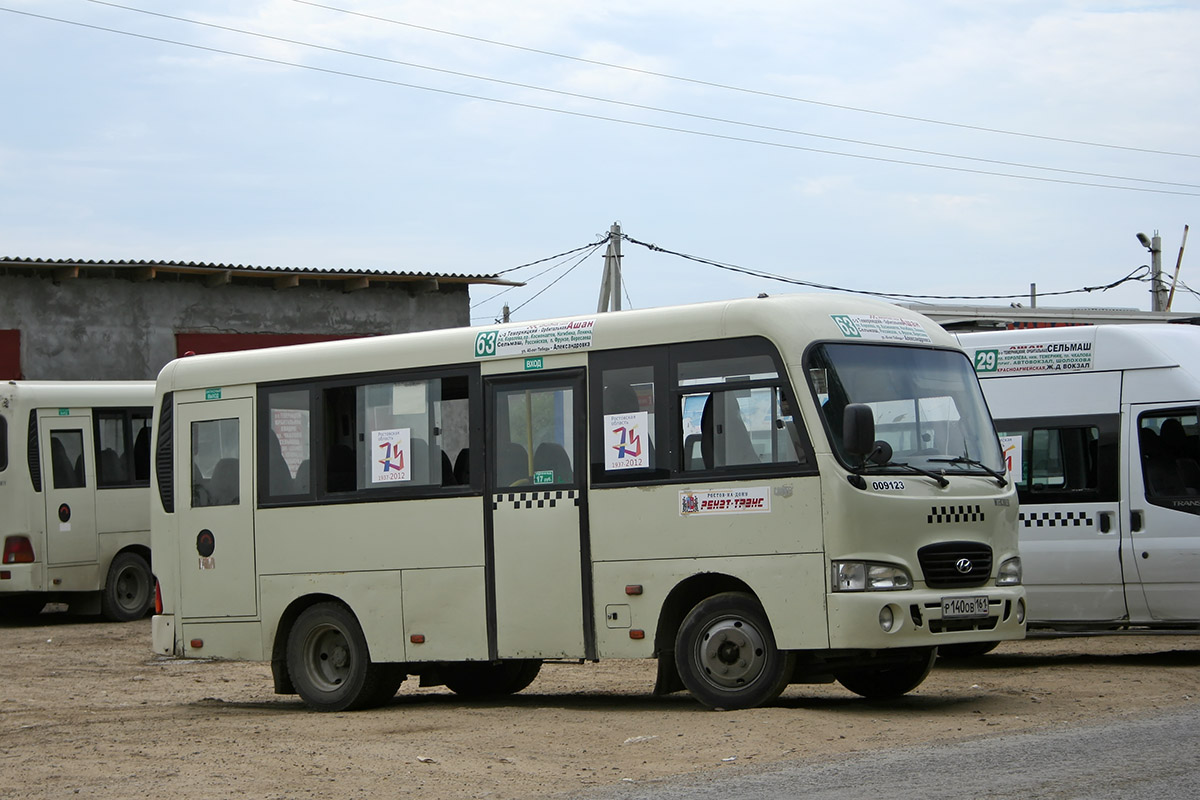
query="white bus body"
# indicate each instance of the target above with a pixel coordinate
(463, 504)
(75, 496)
(1100, 422)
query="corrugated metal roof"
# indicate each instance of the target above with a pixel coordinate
(195, 267)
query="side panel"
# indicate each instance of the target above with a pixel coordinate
(1070, 539)
(795, 607)
(447, 610)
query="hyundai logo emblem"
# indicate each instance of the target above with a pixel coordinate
(963, 565)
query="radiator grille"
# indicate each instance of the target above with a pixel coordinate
(955, 564)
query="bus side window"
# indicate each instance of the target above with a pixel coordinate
(735, 412)
(629, 389)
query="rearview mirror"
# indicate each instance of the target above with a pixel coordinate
(858, 429)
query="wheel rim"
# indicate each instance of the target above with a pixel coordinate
(133, 589)
(327, 657)
(731, 653)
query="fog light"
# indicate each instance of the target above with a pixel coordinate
(886, 618)
(1021, 612)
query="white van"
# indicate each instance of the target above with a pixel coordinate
(75, 497)
(1100, 425)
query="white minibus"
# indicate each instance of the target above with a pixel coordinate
(701, 484)
(75, 496)
(1100, 431)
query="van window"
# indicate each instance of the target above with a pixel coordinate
(1062, 460)
(1168, 445)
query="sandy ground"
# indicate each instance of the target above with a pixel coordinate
(87, 710)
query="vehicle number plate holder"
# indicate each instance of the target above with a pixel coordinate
(964, 607)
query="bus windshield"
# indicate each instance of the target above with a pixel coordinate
(927, 403)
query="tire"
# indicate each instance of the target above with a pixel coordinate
(129, 589)
(726, 655)
(953, 652)
(330, 665)
(484, 679)
(891, 680)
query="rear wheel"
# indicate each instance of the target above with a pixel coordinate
(890, 680)
(330, 665)
(483, 679)
(726, 655)
(129, 590)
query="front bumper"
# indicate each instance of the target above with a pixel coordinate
(855, 618)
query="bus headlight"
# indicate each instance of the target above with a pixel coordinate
(863, 576)
(1009, 573)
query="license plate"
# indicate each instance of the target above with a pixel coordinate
(960, 607)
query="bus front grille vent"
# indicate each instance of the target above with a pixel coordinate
(949, 565)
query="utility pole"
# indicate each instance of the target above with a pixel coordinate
(1158, 292)
(610, 283)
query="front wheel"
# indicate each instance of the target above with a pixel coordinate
(129, 589)
(330, 665)
(726, 655)
(892, 680)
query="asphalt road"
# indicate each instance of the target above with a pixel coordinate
(1154, 758)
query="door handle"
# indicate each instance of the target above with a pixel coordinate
(1105, 521)
(1136, 519)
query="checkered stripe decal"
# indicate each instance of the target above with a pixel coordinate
(535, 499)
(942, 514)
(1056, 519)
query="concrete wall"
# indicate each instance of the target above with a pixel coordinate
(116, 329)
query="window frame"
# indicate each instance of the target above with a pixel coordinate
(127, 414)
(1162, 499)
(1108, 461)
(668, 411)
(317, 389)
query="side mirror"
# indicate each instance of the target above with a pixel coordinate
(858, 429)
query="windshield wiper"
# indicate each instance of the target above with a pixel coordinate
(941, 479)
(999, 476)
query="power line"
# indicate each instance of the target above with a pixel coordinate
(1135, 275)
(582, 258)
(761, 93)
(591, 248)
(641, 106)
(583, 115)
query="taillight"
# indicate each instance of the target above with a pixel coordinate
(157, 598)
(18, 550)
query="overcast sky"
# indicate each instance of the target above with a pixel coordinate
(843, 143)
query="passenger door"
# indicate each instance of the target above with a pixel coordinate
(216, 507)
(1163, 508)
(537, 551)
(69, 478)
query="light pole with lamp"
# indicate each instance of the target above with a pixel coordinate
(1158, 292)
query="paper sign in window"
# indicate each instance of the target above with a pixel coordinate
(391, 455)
(627, 440)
